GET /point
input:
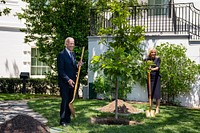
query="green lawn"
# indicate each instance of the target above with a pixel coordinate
(172, 119)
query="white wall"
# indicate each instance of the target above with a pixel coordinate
(94, 49)
(12, 20)
(193, 51)
(191, 99)
(15, 56)
(12, 54)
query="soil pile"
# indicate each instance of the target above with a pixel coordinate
(123, 108)
(23, 124)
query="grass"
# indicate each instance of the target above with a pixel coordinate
(19, 96)
(172, 119)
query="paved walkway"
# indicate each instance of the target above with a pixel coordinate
(10, 109)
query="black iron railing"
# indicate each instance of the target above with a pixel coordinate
(182, 18)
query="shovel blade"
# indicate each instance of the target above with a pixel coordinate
(71, 107)
(150, 113)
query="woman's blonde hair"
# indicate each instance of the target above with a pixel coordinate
(150, 51)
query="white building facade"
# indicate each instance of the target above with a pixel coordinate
(12, 49)
(15, 55)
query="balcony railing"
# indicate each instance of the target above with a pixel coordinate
(182, 18)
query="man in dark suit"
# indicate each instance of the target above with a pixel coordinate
(67, 69)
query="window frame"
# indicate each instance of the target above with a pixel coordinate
(38, 68)
(154, 4)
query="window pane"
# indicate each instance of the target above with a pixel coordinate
(37, 67)
(39, 71)
(158, 2)
(38, 53)
(151, 2)
(33, 61)
(42, 64)
(158, 10)
(44, 70)
(33, 71)
(33, 52)
(39, 63)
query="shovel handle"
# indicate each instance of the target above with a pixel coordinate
(77, 78)
(149, 89)
(149, 83)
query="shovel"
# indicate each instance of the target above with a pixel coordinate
(71, 107)
(150, 112)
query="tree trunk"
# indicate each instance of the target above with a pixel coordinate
(116, 99)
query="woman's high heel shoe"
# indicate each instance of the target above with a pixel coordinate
(158, 111)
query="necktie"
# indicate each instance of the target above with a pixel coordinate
(72, 57)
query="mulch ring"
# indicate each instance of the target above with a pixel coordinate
(113, 121)
(124, 108)
(23, 124)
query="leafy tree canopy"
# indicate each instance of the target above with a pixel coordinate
(49, 22)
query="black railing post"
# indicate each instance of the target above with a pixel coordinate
(174, 18)
(170, 9)
(92, 23)
(135, 14)
(189, 23)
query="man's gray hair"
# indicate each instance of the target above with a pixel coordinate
(67, 40)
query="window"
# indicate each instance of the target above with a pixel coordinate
(37, 67)
(158, 7)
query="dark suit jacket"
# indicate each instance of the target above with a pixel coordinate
(66, 69)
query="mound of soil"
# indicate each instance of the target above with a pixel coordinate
(23, 124)
(123, 108)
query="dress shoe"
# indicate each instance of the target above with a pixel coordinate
(158, 111)
(63, 124)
